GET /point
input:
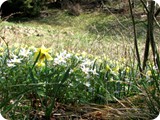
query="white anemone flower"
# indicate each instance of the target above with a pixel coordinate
(86, 70)
(94, 72)
(62, 58)
(87, 84)
(65, 54)
(13, 61)
(59, 60)
(14, 56)
(79, 58)
(9, 64)
(87, 62)
(16, 60)
(24, 52)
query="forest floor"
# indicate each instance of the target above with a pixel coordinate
(95, 33)
(127, 109)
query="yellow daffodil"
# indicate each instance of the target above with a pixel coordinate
(43, 54)
(40, 64)
(149, 73)
(1, 51)
(108, 67)
(84, 54)
(116, 69)
(127, 69)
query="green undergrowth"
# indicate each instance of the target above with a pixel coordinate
(86, 59)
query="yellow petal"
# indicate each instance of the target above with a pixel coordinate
(44, 54)
(48, 57)
(40, 64)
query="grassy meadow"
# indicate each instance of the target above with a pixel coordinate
(60, 67)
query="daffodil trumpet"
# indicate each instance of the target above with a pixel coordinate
(42, 55)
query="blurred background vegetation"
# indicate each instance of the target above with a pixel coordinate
(33, 7)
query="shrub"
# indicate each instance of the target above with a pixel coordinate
(27, 7)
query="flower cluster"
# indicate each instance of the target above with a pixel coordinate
(85, 71)
(12, 62)
(17, 57)
(87, 67)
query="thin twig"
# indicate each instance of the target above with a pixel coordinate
(135, 37)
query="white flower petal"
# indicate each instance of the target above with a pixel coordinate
(11, 65)
(23, 52)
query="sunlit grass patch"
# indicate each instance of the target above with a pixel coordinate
(93, 32)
